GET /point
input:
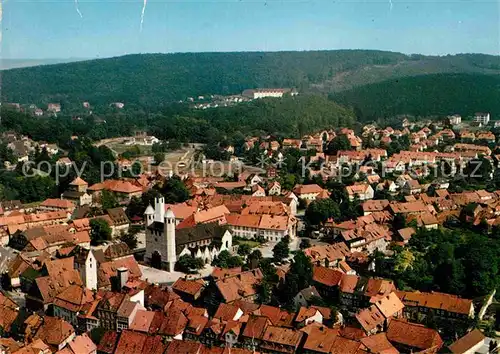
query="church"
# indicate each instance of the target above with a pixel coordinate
(165, 243)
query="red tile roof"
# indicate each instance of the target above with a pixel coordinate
(413, 335)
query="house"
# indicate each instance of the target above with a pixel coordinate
(124, 190)
(270, 227)
(468, 344)
(274, 188)
(410, 337)
(81, 344)
(307, 192)
(308, 315)
(54, 107)
(404, 235)
(240, 286)
(304, 297)
(378, 343)
(71, 302)
(363, 191)
(418, 305)
(281, 340)
(77, 192)
(56, 332)
(258, 191)
(412, 187)
(189, 290)
(326, 281)
(482, 118)
(320, 339)
(455, 119)
(264, 92)
(57, 205)
(377, 317)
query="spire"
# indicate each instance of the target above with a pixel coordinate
(149, 210)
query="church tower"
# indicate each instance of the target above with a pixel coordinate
(159, 209)
(149, 216)
(169, 233)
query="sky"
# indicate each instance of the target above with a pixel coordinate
(43, 29)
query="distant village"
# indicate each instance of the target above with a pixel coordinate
(60, 289)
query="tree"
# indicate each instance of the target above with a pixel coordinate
(188, 264)
(159, 157)
(174, 190)
(319, 211)
(264, 292)
(244, 249)
(339, 143)
(281, 251)
(108, 200)
(305, 243)
(100, 231)
(130, 238)
(302, 267)
(226, 260)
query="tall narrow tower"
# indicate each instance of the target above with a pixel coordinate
(159, 209)
(149, 215)
(169, 232)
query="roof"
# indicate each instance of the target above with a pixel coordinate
(108, 342)
(118, 216)
(282, 336)
(344, 346)
(305, 313)
(307, 189)
(191, 287)
(73, 298)
(435, 300)
(51, 286)
(413, 335)
(117, 250)
(54, 330)
(131, 342)
(82, 344)
(327, 276)
(309, 293)
(78, 182)
(379, 343)
(239, 286)
(406, 233)
(255, 326)
(142, 321)
(320, 338)
(467, 342)
(107, 270)
(389, 305)
(370, 318)
(58, 203)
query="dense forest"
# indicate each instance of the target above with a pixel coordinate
(290, 116)
(427, 95)
(154, 80)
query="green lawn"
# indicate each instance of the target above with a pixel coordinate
(252, 244)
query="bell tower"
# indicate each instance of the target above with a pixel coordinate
(169, 233)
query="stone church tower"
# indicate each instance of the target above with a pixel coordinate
(160, 236)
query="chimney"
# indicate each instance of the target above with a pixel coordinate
(122, 275)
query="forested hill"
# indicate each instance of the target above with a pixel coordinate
(153, 80)
(427, 95)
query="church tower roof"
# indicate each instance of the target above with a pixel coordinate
(149, 210)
